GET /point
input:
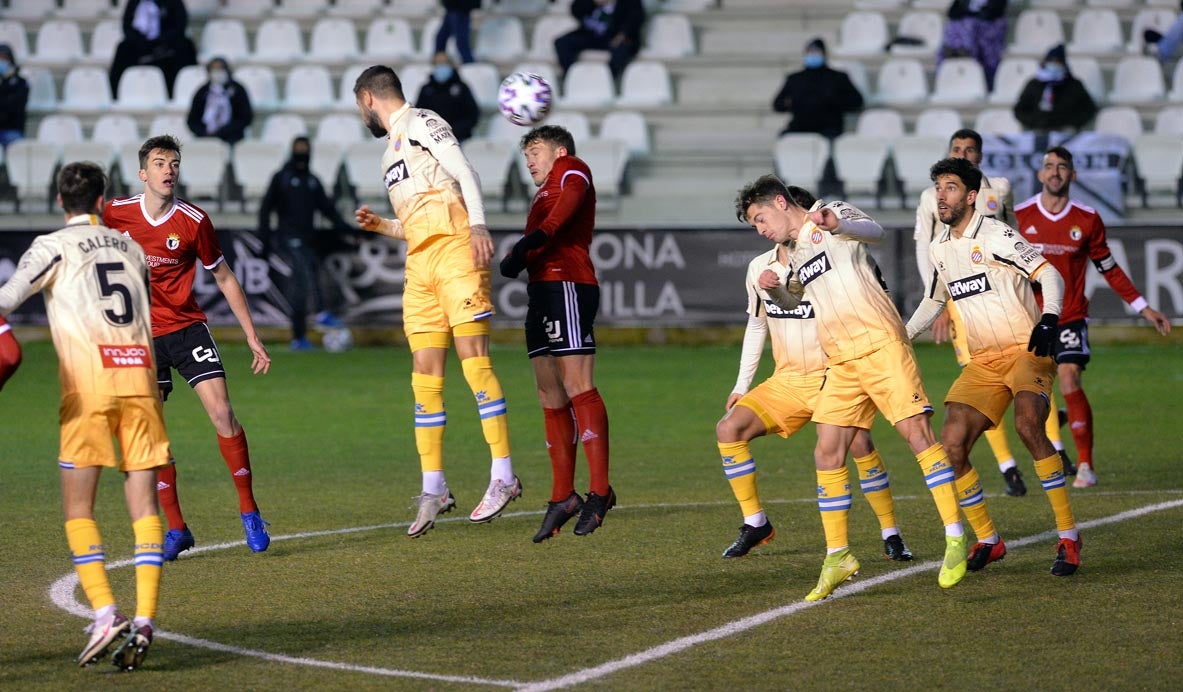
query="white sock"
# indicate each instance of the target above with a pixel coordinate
(140, 622)
(992, 540)
(888, 533)
(954, 530)
(103, 612)
(831, 551)
(1070, 534)
(434, 483)
(756, 520)
(502, 470)
(1058, 445)
(1007, 465)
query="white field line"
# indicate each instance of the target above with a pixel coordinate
(62, 593)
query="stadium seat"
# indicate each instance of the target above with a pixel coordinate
(254, 162)
(278, 42)
(86, 9)
(1123, 121)
(901, 82)
(880, 122)
(13, 33)
(308, 87)
(357, 9)
(1137, 80)
(412, 8)
(282, 128)
(388, 39)
(43, 96)
(1148, 18)
(930, 5)
(685, 5)
(1169, 121)
(1159, 160)
(31, 164)
(103, 40)
(607, 158)
(340, 127)
(997, 121)
(861, 34)
(86, 90)
(58, 43)
(645, 83)
(800, 154)
(1035, 32)
(499, 39)
(545, 70)
(413, 77)
(929, 27)
(575, 122)
(117, 129)
(1096, 32)
(937, 122)
(629, 127)
(549, 27)
(914, 156)
(142, 89)
(491, 159)
(1053, 4)
(60, 129)
(202, 9)
(30, 9)
(333, 41)
(1176, 94)
(247, 9)
(363, 166)
(1088, 71)
(345, 99)
(427, 41)
(303, 9)
(224, 38)
(326, 163)
(484, 80)
(520, 7)
(588, 85)
(1012, 75)
(667, 36)
(128, 166)
(188, 81)
(502, 129)
(857, 72)
(205, 169)
(1116, 4)
(959, 82)
(260, 84)
(102, 153)
(859, 162)
(171, 124)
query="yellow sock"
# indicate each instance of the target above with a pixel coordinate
(430, 420)
(973, 503)
(833, 501)
(149, 555)
(938, 475)
(1051, 475)
(876, 487)
(740, 469)
(490, 402)
(996, 436)
(86, 545)
(1052, 426)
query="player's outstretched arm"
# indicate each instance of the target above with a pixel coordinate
(236, 299)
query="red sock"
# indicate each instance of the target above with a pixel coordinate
(592, 419)
(238, 460)
(1080, 422)
(560, 444)
(166, 492)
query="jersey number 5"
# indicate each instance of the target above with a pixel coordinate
(108, 288)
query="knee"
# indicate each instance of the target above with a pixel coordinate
(726, 430)
(222, 416)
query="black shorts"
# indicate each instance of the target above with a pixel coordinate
(1072, 343)
(560, 318)
(192, 352)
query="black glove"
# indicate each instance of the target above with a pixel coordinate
(515, 261)
(1043, 337)
(512, 265)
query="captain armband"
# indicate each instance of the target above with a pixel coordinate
(1105, 264)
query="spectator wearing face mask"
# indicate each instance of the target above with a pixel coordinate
(818, 97)
(154, 33)
(1053, 99)
(221, 107)
(447, 94)
(294, 196)
(14, 98)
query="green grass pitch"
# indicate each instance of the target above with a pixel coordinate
(481, 607)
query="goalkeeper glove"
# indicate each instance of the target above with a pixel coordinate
(1043, 337)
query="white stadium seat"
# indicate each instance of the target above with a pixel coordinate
(959, 82)
(799, 153)
(588, 85)
(491, 159)
(42, 89)
(413, 8)
(278, 42)
(914, 155)
(997, 121)
(859, 163)
(1176, 94)
(499, 39)
(645, 83)
(667, 35)
(1122, 121)
(574, 122)
(1010, 78)
(171, 124)
(629, 127)
(247, 9)
(1169, 121)
(102, 153)
(31, 164)
(205, 169)
(880, 122)
(1159, 159)
(861, 33)
(282, 128)
(413, 77)
(388, 39)
(901, 82)
(1149, 18)
(1096, 32)
(607, 158)
(103, 40)
(326, 162)
(60, 129)
(1088, 71)
(224, 38)
(255, 162)
(59, 43)
(333, 40)
(1035, 32)
(12, 32)
(340, 127)
(117, 129)
(929, 27)
(1137, 80)
(188, 81)
(937, 122)
(356, 8)
(308, 87)
(30, 9)
(142, 89)
(363, 165)
(549, 27)
(345, 98)
(260, 84)
(303, 9)
(484, 80)
(86, 9)
(86, 90)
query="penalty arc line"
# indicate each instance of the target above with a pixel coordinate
(62, 594)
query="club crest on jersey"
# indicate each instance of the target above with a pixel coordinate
(815, 237)
(969, 286)
(976, 255)
(1075, 233)
(398, 143)
(803, 311)
(395, 174)
(173, 241)
(992, 203)
(820, 264)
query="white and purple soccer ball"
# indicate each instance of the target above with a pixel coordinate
(524, 98)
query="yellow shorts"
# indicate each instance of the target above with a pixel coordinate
(90, 421)
(958, 335)
(443, 288)
(990, 384)
(784, 404)
(887, 379)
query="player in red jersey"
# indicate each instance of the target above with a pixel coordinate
(1069, 234)
(564, 297)
(176, 235)
(10, 352)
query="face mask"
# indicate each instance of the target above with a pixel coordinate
(1052, 72)
(5, 66)
(219, 77)
(814, 60)
(374, 125)
(442, 73)
(300, 160)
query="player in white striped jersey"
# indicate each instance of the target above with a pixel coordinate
(783, 404)
(988, 269)
(869, 361)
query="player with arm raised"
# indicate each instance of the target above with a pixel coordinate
(176, 235)
(95, 283)
(1070, 235)
(869, 361)
(437, 201)
(982, 265)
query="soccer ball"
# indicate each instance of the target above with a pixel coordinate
(338, 340)
(524, 98)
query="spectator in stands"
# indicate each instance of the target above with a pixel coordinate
(154, 34)
(295, 195)
(447, 94)
(1053, 99)
(976, 29)
(818, 96)
(457, 24)
(14, 98)
(1166, 45)
(611, 25)
(221, 107)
